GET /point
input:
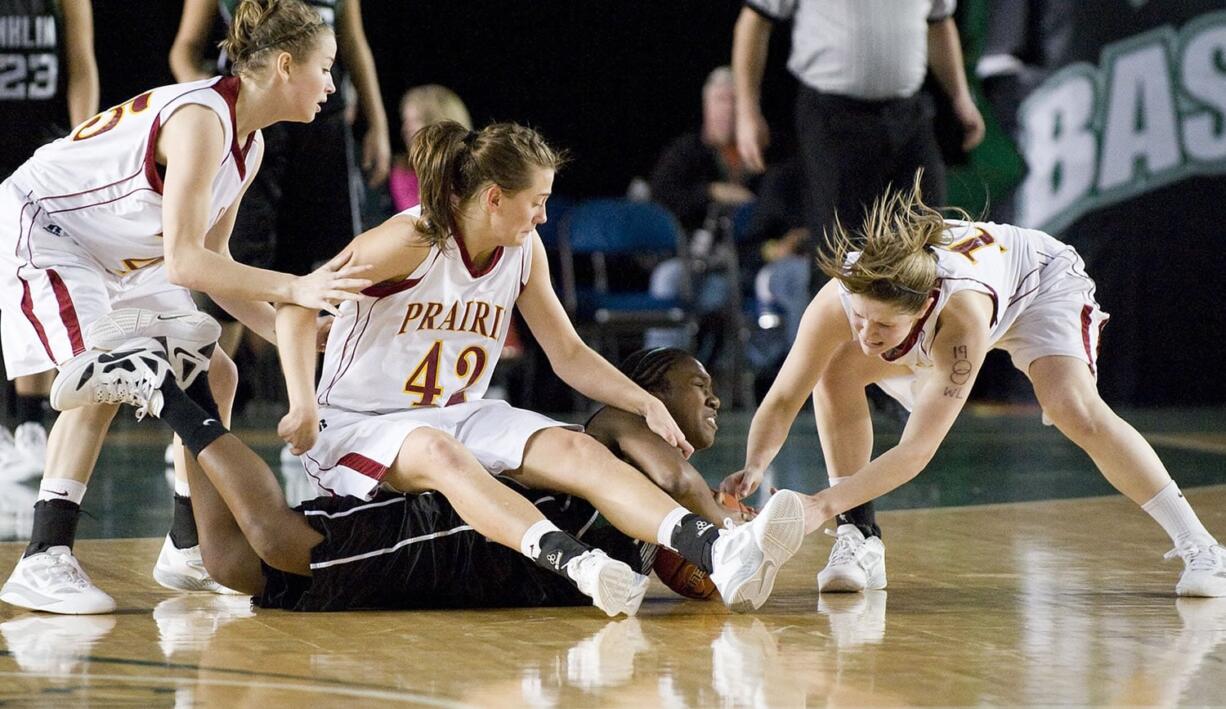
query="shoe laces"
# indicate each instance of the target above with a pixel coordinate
(60, 569)
(1201, 557)
(123, 390)
(845, 547)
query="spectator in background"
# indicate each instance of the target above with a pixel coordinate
(301, 206)
(861, 120)
(701, 172)
(700, 177)
(776, 245)
(52, 75)
(419, 107)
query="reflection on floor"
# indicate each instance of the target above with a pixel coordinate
(1063, 601)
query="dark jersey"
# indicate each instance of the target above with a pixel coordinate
(33, 79)
(414, 551)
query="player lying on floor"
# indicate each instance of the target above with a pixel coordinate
(394, 551)
(415, 551)
(400, 401)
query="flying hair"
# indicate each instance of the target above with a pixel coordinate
(890, 257)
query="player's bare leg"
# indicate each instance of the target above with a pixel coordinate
(845, 429)
(179, 565)
(229, 558)
(1070, 399)
(742, 562)
(250, 490)
(433, 460)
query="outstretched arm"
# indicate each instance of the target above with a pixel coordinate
(661, 463)
(188, 145)
(823, 327)
(957, 352)
(577, 364)
(390, 251)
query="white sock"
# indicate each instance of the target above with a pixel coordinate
(61, 489)
(1172, 511)
(668, 525)
(181, 488)
(530, 545)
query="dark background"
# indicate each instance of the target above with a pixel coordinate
(611, 81)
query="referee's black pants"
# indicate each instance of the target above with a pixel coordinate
(852, 149)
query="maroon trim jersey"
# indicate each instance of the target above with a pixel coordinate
(1010, 265)
(101, 186)
(432, 339)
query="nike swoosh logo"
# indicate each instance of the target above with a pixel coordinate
(58, 492)
(171, 317)
(209, 421)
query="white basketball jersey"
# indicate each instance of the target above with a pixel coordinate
(432, 339)
(100, 185)
(1004, 262)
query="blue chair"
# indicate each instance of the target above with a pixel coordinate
(596, 230)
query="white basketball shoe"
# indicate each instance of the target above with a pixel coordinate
(53, 581)
(747, 558)
(612, 585)
(183, 570)
(1204, 570)
(189, 337)
(856, 564)
(131, 374)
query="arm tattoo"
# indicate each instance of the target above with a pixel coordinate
(960, 372)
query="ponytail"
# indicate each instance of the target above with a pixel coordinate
(453, 163)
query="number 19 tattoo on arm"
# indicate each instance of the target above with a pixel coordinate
(959, 373)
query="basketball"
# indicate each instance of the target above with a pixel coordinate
(681, 576)
(685, 578)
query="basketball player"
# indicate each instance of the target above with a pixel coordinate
(915, 310)
(50, 74)
(679, 380)
(399, 403)
(133, 208)
(323, 554)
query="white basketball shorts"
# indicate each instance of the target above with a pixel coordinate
(51, 291)
(354, 450)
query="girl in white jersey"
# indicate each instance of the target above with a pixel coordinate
(104, 233)
(399, 403)
(914, 305)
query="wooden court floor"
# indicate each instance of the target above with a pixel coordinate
(1012, 581)
(1061, 602)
